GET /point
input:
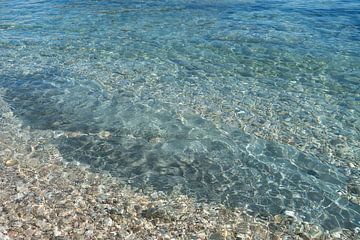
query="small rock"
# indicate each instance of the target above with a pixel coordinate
(337, 234)
(22, 188)
(104, 134)
(355, 189)
(166, 237)
(43, 225)
(216, 236)
(108, 222)
(201, 235)
(12, 234)
(299, 229)
(278, 219)
(8, 114)
(355, 200)
(351, 165)
(19, 196)
(290, 213)
(11, 162)
(154, 195)
(80, 231)
(56, 232)
(89, 233)
(313, 232)
(74, 134)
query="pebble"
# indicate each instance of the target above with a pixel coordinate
(278, 219)
(202, 235)
(216, 236)
(352, 165)
(56, 232)
(104, 135)
(354, 189)
(8, 114)
(154, 195)
(313, 231)
(336, 234)
(108, 222)
(11, 162)
(290, 213)
(89, 233)
(73, 134)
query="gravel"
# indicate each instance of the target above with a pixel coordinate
(44, 197)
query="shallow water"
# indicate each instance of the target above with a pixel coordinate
(248, 103)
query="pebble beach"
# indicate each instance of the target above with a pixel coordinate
(43, 197)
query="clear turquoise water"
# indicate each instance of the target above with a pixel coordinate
(248, 103)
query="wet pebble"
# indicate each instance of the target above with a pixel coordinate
(104, 134)
(354, 189)
(313, 231)
(10, 162)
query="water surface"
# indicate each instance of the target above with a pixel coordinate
(248, 103)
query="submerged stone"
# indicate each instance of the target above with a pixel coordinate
(354, 189)
(104, 134)
(10, 162)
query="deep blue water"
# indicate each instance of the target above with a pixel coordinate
(249, 103)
